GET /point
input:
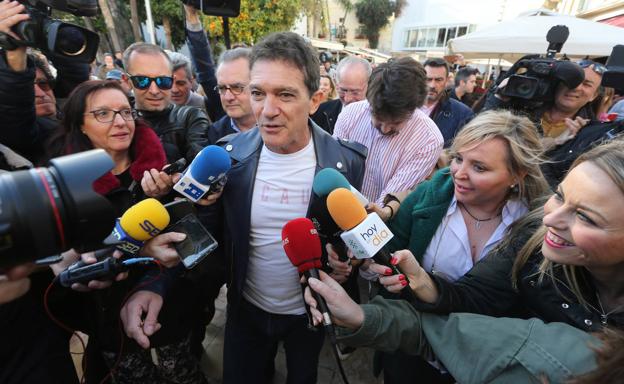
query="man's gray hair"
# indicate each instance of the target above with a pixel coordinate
(353, 60)
(234, 54)
(144, 48)
(180, 60)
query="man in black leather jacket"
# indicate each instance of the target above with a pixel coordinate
(273, 166)
(182, 129)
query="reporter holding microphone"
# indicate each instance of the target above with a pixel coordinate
(452, 221)
(98, 114)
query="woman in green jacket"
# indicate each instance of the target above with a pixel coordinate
(452, 221)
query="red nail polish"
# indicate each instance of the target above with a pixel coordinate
(403, 283)
(388, 272)
(402, 277)
(393, 260)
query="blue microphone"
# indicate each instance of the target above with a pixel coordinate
(206, 174)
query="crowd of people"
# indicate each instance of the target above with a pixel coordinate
(507, 224)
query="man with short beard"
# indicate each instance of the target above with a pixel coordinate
(449, 115)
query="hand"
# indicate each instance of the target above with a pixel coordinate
(15, 283)
(161, 248)
(158, 184)
(575, 125)
(132, 312)
(407, 263)
(341, 270)
(11, 15)
(209, 199)
(384, 213)
(70, 257)
(345, 312)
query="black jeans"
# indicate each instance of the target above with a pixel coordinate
(251, 339)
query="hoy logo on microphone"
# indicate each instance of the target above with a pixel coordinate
(374, 236)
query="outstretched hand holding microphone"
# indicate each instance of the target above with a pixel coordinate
(366, 236)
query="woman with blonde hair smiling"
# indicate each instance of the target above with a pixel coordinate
(452, 221)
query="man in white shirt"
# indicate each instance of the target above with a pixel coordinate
(269, 184)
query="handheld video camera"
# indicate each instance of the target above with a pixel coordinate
(533, 79)
(53, 36)
(45, 211)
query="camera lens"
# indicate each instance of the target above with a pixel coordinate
(70, 40)
(524, 89)
(46, 211)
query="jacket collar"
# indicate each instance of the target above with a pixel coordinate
(244, 145)
(147, 153)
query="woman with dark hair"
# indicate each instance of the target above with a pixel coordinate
(98, 114)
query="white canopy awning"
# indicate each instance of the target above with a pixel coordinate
(510, 40)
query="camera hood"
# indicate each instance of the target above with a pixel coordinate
(90, 211)
(571, 74)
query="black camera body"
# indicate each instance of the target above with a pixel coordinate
(533, 79)
(224, 8)
(534, 82)
(53, 36)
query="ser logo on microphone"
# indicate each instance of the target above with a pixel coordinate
(375, 237)
(149, 228)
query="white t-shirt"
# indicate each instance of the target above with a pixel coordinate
(281, 193)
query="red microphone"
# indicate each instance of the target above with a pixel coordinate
(303, 248)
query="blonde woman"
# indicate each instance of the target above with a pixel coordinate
(328, 88)
(568, 267)
(452, 221)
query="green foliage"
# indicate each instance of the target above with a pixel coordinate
(257, 19)
(374, 15)
(174, 10)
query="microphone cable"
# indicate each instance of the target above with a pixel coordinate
(59, 323)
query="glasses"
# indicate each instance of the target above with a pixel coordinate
(236, 89)
(144, 82)
(597, 67)
(352, 92)
(44, 85)
(108, 115)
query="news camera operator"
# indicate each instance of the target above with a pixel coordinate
(566, 111)
(24, 79)
(98, 115)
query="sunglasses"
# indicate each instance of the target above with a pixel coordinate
(597, 67)
(144, 82)
(44, 85)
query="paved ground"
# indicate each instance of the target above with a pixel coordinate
(358, 366)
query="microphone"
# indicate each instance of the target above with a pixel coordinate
(139, 223)
(206, 174)
(327, 227)
(328, 179)
(303, 248)
(365, 234)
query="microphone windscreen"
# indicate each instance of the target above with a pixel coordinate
(209, 164)
(145, 219)
(328, 179)
(345, 208)
(570, 73)
(302, 244)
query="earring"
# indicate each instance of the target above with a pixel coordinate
(514, 188)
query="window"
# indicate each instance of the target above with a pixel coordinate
(434, 37)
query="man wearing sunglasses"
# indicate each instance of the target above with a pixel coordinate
(181, 129)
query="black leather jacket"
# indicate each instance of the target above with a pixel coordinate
(181, 129)
(244, 148)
